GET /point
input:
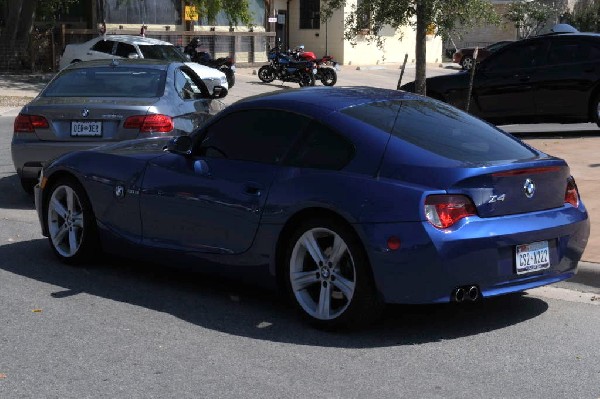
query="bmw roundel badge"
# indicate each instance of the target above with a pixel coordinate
(85, 112)
(529, 188)
(119, 191)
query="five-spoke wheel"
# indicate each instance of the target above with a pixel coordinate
(328, 275)
(70, 222)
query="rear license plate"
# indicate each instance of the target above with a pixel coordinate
(532, 257)
(86, 129)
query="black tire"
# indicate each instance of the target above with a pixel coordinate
(78, 224)
(341, 293)
(466, 63)
(28, 184)
(307, 79)
(328, 76)
(266, 74)
(230, 77)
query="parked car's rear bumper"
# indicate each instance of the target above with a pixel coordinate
(29, 156)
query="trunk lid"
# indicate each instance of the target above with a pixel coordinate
(518, 189)
(87, 119)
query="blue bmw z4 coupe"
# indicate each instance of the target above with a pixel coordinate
(350, 198)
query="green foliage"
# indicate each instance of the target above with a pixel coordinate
(444, 15)
(237, 11)
(439, 17)
(46, 10)
(585, 16)
(530, 17)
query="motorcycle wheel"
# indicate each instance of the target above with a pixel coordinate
(230, 77)
(328, 76)
(307, 79)
(266, 74)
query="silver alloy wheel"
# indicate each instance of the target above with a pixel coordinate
(322, 273)
(65, 221)
(467, 63)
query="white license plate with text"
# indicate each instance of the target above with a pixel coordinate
(86, 128)
(532, 257)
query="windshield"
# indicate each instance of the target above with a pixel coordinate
(162, 52)
(108, 82)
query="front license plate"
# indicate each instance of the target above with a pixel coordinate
(532, 257)
(86, 129)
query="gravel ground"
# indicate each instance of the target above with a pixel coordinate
(12, 101)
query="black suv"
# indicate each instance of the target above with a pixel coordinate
(550, 78)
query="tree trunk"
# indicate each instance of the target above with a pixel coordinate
(9, 33)
(421, 46)
(26, 20)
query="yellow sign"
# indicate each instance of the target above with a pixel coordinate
(431, 29)
(191, 14)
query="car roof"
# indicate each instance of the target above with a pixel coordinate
(141, 62)
(139, 40)
(330, 98)
(566, 34)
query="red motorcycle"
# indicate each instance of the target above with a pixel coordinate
(326, 67)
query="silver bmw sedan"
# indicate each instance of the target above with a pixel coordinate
(98, 102)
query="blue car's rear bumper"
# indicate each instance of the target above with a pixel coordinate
(432, 263)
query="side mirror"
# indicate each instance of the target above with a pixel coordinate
(181, 145)
(219, 92)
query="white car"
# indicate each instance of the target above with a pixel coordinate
(128, 46)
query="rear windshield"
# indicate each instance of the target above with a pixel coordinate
(441, 129)
(161, 52)
(108, 82)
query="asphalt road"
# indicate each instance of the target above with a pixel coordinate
(124, 329)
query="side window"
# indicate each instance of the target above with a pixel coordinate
(323, 149)
(104, 46)
(124, 49)
(259, 135)
(185, 85)
(527, 55)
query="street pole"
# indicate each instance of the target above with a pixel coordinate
(402, 72)
(475, 53)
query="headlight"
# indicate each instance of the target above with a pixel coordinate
(223, 80)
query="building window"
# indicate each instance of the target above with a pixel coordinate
(310, 14)
(364, 15)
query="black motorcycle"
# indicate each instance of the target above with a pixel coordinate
(223, 64)
(283, 67)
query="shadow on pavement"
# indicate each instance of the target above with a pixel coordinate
(12, 195)
(236, 308)
(27, 82)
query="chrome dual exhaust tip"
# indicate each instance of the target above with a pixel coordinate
(470, 293)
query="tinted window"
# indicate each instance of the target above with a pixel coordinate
(104, 46)
(108, 82)
(525, 55)
(442, 129)
(162, 52)
(124, 49)
(570, 51)
(322, 149)
(258, 135)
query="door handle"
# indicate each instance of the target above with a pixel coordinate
(253, 189)
(523, 78)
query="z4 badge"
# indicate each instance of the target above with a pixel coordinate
(496, 198)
